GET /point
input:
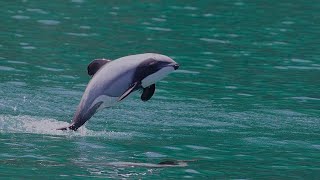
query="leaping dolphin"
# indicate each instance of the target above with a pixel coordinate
(113, 81)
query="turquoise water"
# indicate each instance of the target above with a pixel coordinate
(244, 104)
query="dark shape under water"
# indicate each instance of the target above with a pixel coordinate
(169, 162)
(162, 164)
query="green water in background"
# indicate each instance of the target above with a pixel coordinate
(244, 104)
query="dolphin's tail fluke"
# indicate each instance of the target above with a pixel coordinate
(81, 116)
(70, 127)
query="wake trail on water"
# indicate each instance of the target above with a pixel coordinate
(48, 126)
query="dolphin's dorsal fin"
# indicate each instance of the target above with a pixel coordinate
(95, 65)
(132, 88)
(148, 92)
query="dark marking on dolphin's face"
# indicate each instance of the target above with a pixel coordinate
(146, 68)
(147, 73)
(153, 70)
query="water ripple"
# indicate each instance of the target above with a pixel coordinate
(300, 60)
(304, 98)
(20, 17)
(159, 19)
(49, 22)
(192, 8)
(81, 34)
(214, 40)
(78, 1)
(84, 27)
(50, 69)
(198, 147)
(159, 29)
(6, 68)
(28, 47)
(154, 155)
(40, 11)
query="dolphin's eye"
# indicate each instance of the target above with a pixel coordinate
(153, 63)
(153, 66)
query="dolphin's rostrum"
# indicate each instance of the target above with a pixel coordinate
(113, 81)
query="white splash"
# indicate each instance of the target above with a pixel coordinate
(48, 126)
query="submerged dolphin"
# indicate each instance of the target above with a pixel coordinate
(163, 164)
(113, 81)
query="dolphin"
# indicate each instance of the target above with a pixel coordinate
(113, 81)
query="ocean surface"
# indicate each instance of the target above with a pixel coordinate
(244, 104)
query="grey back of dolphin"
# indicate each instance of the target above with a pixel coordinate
(113, 81)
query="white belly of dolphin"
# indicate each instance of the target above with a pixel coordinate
(152, 78)
(107, 101)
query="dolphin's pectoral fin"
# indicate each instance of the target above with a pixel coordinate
(148, 92)
(95, 65)
(132, 88)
